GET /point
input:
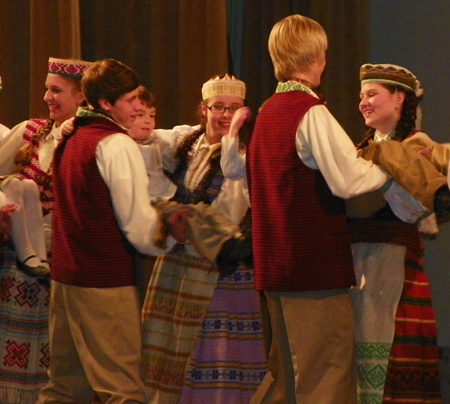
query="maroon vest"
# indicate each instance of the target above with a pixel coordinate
(300, 238)
(89, 249)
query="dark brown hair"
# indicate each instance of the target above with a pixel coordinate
(146, 97)
(107, 79)
(407, 122)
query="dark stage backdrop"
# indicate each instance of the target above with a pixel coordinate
(174, 46)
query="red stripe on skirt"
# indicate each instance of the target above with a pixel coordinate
(413, 369)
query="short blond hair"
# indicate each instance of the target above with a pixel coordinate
(295, 43)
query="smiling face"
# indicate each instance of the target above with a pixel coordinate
(218, 124)
(62, 96)
(143, 126)
(125, 109)
(380, 108)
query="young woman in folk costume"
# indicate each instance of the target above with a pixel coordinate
(26, 152)
(397, 356)
(202, 335)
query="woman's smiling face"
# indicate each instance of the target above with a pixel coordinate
(380, 108)
(62, 96)
(218, 124)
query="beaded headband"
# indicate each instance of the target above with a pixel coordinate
(390, 74)
(68, 67)
(228, 85)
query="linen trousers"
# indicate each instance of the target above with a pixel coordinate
(95, 346)
(310, 337)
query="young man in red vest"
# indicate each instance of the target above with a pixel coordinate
(102, 215)
(300, 162)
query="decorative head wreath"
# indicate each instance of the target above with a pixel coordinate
(227, 85)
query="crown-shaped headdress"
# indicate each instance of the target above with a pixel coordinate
(227, 85)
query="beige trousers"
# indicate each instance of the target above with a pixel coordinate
(310, 337)
(95, 346)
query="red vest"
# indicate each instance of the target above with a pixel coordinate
(300, 238)
(89, 249)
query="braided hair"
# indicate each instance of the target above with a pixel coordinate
(25, 153)
(407, 120)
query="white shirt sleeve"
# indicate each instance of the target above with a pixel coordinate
(10, 144)
(233, 164)
(121, 166)
(231, 161)
(169, 140)
(3, 131)
(322, 144)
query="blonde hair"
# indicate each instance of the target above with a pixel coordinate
(295, 43)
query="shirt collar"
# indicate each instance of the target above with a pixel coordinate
(88, 112)
(378, 138)
(287, 86)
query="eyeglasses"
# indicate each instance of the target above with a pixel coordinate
(220, 109)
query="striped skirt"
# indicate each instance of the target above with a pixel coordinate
(396, 347)
(178, 296)
(202, 337)
(229, 361)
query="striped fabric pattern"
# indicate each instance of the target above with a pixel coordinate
(178, 296)
(33, 171)
(413, 369)
(404, 369)
(229, 362)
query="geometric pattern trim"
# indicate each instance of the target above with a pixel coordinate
(372, 361)
(229, 361)
(68, 67)
(23, 333)
(413, 370)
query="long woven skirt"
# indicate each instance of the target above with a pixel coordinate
(23, 333)
(229, 361)
(178, 296)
